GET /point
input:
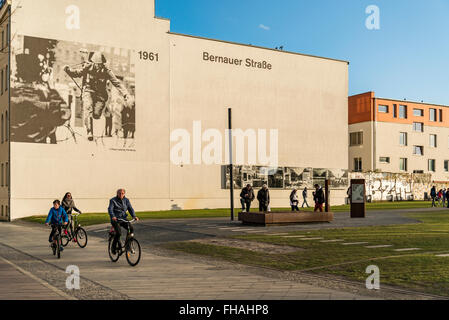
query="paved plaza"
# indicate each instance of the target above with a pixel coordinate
(30, 271)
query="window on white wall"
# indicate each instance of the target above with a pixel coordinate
(6, 77)
(403, 138)
(403, 164)
(433, 140)
(358, 164)
(418, 150)
(355, 139)
(6, 126)
(432, 165)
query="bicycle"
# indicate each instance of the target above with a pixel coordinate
(56, 248)
(79, 234)
(131, 246)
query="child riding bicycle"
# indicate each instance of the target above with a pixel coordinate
(56, 218)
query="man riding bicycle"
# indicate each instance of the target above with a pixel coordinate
(56, 218)
(118, 206)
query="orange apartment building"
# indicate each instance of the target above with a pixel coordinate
(398, 136)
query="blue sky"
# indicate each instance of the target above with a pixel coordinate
(407, 58)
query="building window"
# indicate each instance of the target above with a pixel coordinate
(418, 150)
(432, 165)
(3, 177)
(7, 175)
(403, 164)
(403, 138)
(356, 139)
(433, 114)
(384, 159)
(3, 128)
(418, 126)
(402, 112)
(418, 171)
(441, 115)
(446, 165)
(358, 164)
(395, 111)
(433, 140)
(383, 109)
(6, 126)
(418, 112)
(6, 78)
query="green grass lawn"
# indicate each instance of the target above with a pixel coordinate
(98, 218)
(419, 270)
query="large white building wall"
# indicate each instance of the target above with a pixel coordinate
(303, 97)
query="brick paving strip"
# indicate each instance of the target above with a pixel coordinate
(54, 278)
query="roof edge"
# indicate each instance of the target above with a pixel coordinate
(257, 47)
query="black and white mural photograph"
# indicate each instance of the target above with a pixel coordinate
(284, 177)
(76, 93)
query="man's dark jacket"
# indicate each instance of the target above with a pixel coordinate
(263, 196)
(319, 196)
(118, 207)
(247, 194)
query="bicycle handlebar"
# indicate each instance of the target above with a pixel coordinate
(127, 221)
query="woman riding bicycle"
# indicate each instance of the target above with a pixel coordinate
(69, 205)
(56, 218)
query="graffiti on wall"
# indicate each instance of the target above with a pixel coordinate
(397, 186)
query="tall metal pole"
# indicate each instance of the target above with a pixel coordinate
(231, 167)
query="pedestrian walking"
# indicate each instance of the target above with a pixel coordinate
(263, 196)
(433, 195)
(294, 200)
(318, 198)
(247, 195)
(444, 197)
(304, 197)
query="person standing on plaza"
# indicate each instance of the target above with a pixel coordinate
(247, 195)
(318, 198)
(263, 196)
(294, 200)
(304, 197)
(433, 195)
(444, 197)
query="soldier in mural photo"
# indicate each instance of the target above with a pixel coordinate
(39, 108)
(95, 75)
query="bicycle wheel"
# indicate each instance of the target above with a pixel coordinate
(133, 252)
(58, 246)
(81, 237)
(65, 240)
(113, 257)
